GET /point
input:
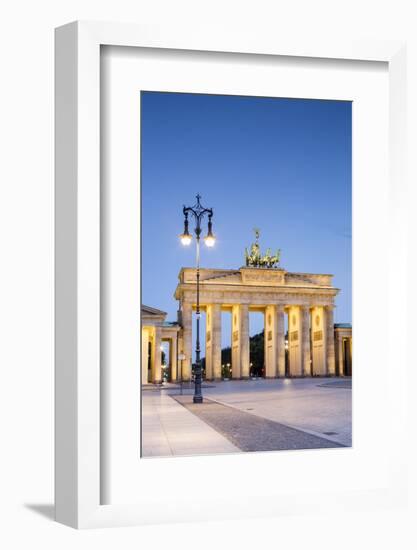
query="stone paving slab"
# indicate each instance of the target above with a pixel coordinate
(168, 429)
(252, 433)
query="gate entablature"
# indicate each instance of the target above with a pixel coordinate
(256, 287)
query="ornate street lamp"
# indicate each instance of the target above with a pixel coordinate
(197, 212)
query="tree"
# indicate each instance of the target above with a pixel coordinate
(256, 354)
(256, 346)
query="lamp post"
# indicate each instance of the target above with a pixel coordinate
(197, 212)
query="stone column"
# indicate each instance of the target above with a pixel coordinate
(145, 355)
(339, 357)
(294, 341)
(213, 342)
(318, 333)
(180, 347)
(216, 341)
(173, 361)
(280, 341)
(186, 320)
(209, 346)
(244, 341)
(330, 361)
(350, 356)
(305, 335)
(236, 341)
(270, 342)
(156, 356)
(240, 341)
(346, 346)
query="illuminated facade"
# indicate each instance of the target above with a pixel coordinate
(301, 304)
(307, 300)
(155, 331)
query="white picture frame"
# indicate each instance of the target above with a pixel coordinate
(78, 404)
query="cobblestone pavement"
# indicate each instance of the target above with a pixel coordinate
(319, 406)
(347, 384)
(249, 432)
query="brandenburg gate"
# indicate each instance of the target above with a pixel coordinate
(300, 304)
(306, 299)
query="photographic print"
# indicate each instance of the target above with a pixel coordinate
(246, 274)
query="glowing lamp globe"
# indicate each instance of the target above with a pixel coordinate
(210, 240)
(185, 239)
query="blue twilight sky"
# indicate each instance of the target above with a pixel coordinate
(282, 165)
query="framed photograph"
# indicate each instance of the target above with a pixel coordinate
(223, 210)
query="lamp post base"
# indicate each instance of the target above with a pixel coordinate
(197, 399)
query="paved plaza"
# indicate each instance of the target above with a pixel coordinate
(169, 429)
(250, 415)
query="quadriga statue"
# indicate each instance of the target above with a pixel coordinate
(255, 259)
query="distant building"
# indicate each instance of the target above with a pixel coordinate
(343, 346)
(156, 330)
